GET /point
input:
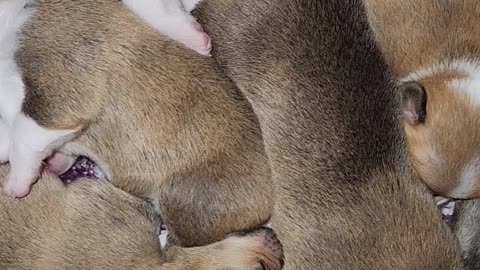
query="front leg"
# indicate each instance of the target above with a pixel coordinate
(30, 144)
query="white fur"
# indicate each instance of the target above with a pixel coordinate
(12, 16)
(4, 140)
(189, 5)
(163, 237)
(469, 86)
(469, 178)
(30, 144)
(171, 18)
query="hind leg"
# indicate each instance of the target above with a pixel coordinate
(30, 144)
(259, 249)
(207, 204)
(169, 18)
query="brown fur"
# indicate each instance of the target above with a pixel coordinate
(329, 113)
(166, 121)
(92, 225)
(416, 34)
(419, 34)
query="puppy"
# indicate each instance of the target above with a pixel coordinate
(93, 225)
(171, 19)
(329, 111)
(162, 122)
(433, 46)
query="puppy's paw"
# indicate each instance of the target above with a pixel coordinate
(190, 33)
(255, 250)
(15, 188)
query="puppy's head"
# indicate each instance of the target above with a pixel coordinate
(441, 110)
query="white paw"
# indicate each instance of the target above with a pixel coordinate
(15, 188)
(190, 33)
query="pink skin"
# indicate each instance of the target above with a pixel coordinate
(205, 42)
(57, 163)
(17, 189)
(193, 36)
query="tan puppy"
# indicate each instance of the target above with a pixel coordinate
(435, 47)
(329, 112)
(92, 225)
(166, 121)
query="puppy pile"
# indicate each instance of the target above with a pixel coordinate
(337, 122)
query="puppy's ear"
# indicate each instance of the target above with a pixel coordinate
(414, 102)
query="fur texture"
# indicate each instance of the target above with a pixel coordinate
(91, 225)
(465, 225)
(436, 43)
(329, 111)
(169, 125)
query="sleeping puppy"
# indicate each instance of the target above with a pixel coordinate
(433, 46)
(329, 111)
(161, 121)
(91, 225)
(172, 18)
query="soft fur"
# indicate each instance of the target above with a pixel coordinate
(172, 18)
(94, 226)
(163, 121)
(329, 111)
(465, 223)
(436, 44)
(24, 142)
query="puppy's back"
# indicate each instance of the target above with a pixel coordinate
(167, 121)
(347, 198)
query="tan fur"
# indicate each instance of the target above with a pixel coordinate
(328, 108)
(420, 34)
(166, 121)
(439, 153)
(92, 225)
(417, 34)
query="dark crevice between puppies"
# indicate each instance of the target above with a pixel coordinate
(85, 168)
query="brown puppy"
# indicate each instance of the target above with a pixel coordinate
(92, 225)
(434, 46)
(329, 112)
(166, 121)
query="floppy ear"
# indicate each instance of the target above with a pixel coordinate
(414, 102)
